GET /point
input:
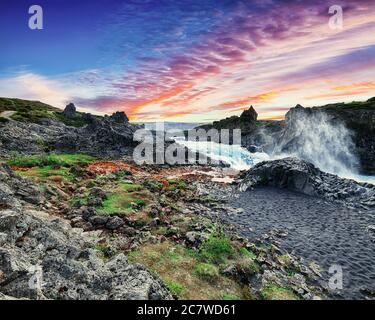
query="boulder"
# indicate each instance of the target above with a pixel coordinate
(114, 223)
(119, 117)
(250, 114)
(301, 176)
(70, 111)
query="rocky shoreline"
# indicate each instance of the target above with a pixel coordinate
(62, 252)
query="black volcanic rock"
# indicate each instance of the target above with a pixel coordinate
(70, 131)
(249, 114)
(68, 263)
(70, 111)
(247, 122)
(302, 176)
(119, 117)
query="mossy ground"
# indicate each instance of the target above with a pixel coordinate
(190, 272)
(52, 167)
(178, 267)
(62, 160)
(35, 111)
(125, 198)
(275, 292)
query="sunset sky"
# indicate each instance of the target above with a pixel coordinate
(188, 61)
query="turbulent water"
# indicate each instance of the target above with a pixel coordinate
(237, 157)
(314, 137)
(241, 159)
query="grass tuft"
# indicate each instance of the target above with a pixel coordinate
(274, 292)
(217, 248)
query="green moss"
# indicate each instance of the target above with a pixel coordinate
(217, 249)
(230, 296)
(124, 198)
(247, 266)
(207, 271)
(247, 253)
(274, 292)
(35, 111)
(62, 160)
(284, 260)
(178, 267)
(153, 185)
(3, 120)
(13, 104)
(48, 173)
(176, 288)
(176, 185)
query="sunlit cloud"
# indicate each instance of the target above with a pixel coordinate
(207, 60)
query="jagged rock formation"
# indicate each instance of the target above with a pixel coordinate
(68, 131)
(302, 176)
(104, 137)
(246, 122)
(70, 111)
(119, 117)
(42, 257)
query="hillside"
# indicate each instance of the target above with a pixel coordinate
(29, 111)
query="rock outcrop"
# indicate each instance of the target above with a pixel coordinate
(42, 257)
(70, 111)
(301, 176)
(100, 136)
(104, 137)
(246, 122)
(119, 117)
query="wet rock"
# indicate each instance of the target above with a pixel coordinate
(302, 176)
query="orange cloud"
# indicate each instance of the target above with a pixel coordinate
(261, 98)
(346, 90)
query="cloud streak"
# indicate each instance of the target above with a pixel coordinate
(203, 60)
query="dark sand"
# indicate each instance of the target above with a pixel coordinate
(317, 230)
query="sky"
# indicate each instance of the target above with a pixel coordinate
(188, 60)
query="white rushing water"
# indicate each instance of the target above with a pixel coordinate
(241, 159)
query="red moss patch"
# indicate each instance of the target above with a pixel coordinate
(106, 167)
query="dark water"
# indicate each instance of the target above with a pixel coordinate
(317, 230)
